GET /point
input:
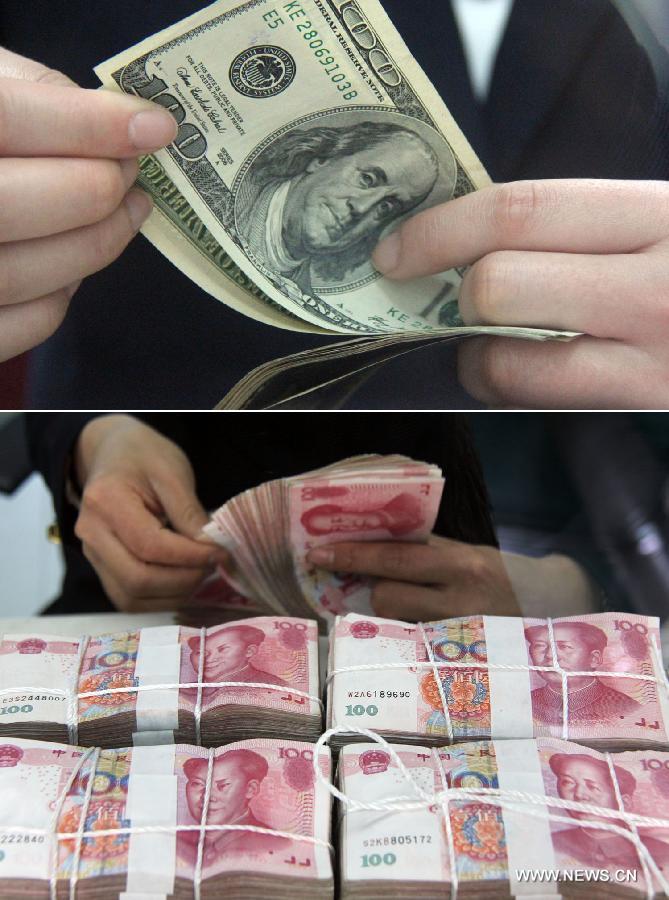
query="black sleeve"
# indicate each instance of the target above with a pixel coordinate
(52, 438)
(465, 512)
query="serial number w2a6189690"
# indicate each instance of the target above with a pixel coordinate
(379, 695)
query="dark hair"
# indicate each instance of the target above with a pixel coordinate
(253, 766)
(293, 152)
(247, 634)
(324, 509)
(626, 781)
(290, 155)
(594, 638)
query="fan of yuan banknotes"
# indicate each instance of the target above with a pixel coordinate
(307, 132)
(595, 679)
(269, 530)
(495, 844)
(121, 689)
(128, 821)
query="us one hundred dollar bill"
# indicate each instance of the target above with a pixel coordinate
(307, 133)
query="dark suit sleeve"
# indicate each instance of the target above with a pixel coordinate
(465, 512)
(52, 438)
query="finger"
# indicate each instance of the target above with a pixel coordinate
(14, 66)
(30, 269)
(40, 197)
(566, 291)
(411, 603)
(136, 577)
(54, 120)
(26, 325)
(586, 373)
(183, 509)
(394, 560)
(111, 507)
(129, 604)
(577, 216)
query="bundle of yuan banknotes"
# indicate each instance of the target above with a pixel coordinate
(253, 820)
(146, 686)
(307, 133)
(269, 530)
(596, 679)
(128, 822)
(493, 773)
(538, 818)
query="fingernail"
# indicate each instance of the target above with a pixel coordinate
(139, 208)
(129, 172)
(386, 257)
(321, 556)
(152, 129)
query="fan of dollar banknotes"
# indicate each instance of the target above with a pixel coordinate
(307, 133)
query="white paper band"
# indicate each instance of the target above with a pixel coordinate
(510, 690)
(528, 847)
(152, 800)
(158, 662)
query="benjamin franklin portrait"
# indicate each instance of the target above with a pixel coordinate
(315, 202)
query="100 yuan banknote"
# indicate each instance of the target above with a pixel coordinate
(307, 133)
(329, 511)
(256, 787)
(491, 844)
(502, 678)
(130, 682)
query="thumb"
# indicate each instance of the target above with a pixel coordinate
(14, 66)
(184, 511)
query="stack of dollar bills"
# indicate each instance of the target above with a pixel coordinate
(595, 679)
(251, 678)
(129, 823)
(307, 133)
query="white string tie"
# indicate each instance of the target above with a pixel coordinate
(197, 875)
(197, 712)
(73, 700)
(660, 679)
(450, 840)
(81, 830)
(517, 801)
(437, 678)
(53, 832)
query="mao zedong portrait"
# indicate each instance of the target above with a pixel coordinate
(584, 779)
(236, 780)
(316, 202)
(228, 656)
(400, 516)
(580, 648)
